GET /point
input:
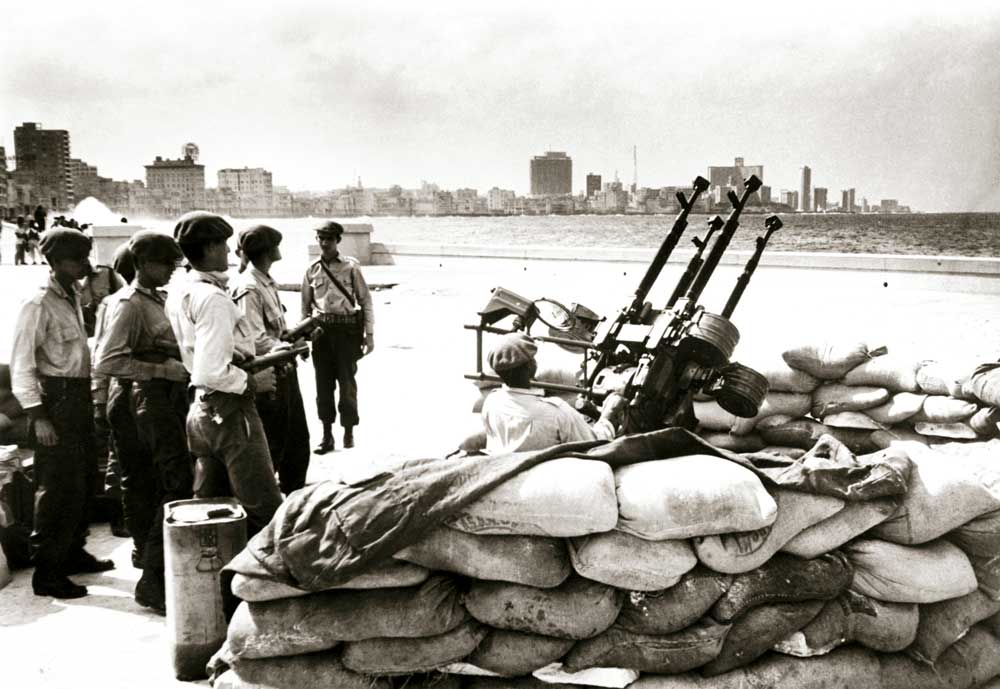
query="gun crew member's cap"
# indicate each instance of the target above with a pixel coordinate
(148, 245)
(513, 350)
(330, 229)
(200, 227)
(59, 243)
(255, 240)
(122, 262)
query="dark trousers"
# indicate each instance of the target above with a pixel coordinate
(284, 418)
(138, 484)
(160, 415)
(335, 355)
(227, 438)
(64, 474)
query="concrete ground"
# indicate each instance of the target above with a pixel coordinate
(415, 402)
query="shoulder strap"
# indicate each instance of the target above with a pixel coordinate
(339, 286)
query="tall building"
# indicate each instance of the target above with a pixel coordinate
(178, 185)
(790, 198)
(723, 178)
(593, 184)
(253, 188)
(805, 190)
(42, 158)
(819, 198)
(847, 200)
(551, 174)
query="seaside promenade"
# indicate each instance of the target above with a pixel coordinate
(415, 402)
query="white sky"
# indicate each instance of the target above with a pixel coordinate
(900, 102)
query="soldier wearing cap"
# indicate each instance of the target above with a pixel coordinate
(50, 375)
(223, 428)
(139, 346)
(518, 417)
(335, 290)
(281, 411)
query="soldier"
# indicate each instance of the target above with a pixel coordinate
(50, 372)
(139, 346)
(335, 289)
(282, 412)
(223, 428)
(98, 284)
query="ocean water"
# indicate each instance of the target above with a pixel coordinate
(933, 234)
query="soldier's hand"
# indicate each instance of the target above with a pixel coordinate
(264, 381)
(613, 408)
(45, 432)
(281, 346)
(369, 344)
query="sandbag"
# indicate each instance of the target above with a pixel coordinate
(944, 623)
(530, 560)
(987, 569)
(611, 677)
(942, 409)
(560, 497)
(830, 360)
(391, 574)
(944, 492)
(741, 552)
(517, 653)
(784, 451)
(831, 398)
(852, 419)
(753, 634)
(394, 656)
(790, 404)
(628, 562)
(712, 417)
(910, 574)
(851, 617)
(900, 407)
(944, 378)
(579, 609)
(801, 433)
(985, 422)
(893, 372)
(956, 430)
(311, 670)
(897, 436)
(967, 663)
(663, 654)
(984, 385)
(664, 612)
(783, 378)
(291, 626)
(670, 498)
(751, 442)
(979, 536)
(855, 519)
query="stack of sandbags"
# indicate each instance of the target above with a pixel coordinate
(864, 396)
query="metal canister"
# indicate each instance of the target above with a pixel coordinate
(200, 537)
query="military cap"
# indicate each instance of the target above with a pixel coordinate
(513, 350)
(122, 262)
(64, 242)
(148, 245)
(199, 227)
(330, 229)
(258, 238)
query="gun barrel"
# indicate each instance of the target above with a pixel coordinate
(773, 224)
(259, 363)
(303, 329)
(694, 265)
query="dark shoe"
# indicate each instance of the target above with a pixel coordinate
(325, 445)
(119, 530)
(85, 563)
(56, 586)
(149, 591)
(349, 437)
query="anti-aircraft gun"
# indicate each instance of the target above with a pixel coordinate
(659, 359)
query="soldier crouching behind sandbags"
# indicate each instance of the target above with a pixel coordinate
(518, 417)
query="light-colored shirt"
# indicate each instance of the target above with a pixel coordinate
(320, 295)
(99, 382)
(517, 419)
(256, 295)
(210, 331)
(136, 327)
(49, 340)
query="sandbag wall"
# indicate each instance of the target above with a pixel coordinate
(685, 572)
(865, 396)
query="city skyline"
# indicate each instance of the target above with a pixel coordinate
(896, 103)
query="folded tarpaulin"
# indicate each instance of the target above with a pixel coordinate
(327, 533)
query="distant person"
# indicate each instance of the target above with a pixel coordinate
(50, 374)
(282, 411)
(40, 214)
(335, 290)
(224, 430)
(518, 417)
(33, 239)
(20, 241)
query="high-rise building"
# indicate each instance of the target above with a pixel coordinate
(42, 158)
(790, 198)
(805, 190)
(819, 198)
(847, 200)
(178, 185)
(723, 178)
(551, 174)
(253, 188)
(593, 184)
